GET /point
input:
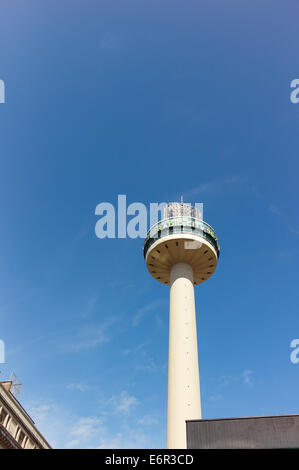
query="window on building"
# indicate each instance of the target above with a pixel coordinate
(3, 415)
(21, 437)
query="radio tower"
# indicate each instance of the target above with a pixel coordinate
(181, 251)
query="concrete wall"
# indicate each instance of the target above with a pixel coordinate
(263, 432)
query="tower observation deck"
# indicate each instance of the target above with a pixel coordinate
(181, 251)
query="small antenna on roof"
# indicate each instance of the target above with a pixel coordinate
(182, 201)
(16, 385)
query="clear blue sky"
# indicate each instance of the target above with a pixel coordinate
(152, 100)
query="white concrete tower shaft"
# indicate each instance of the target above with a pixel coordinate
(181, 251)
(183, 374)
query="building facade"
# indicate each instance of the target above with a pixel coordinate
(17, 429)
(254, 432)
